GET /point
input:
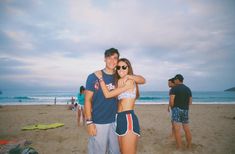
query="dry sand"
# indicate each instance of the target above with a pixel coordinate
(212, 126)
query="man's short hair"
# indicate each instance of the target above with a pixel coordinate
(179, 77)
(172, 80)
(110, 52)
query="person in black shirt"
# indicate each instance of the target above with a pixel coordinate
(180, 99)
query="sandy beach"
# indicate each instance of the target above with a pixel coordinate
(212, 126)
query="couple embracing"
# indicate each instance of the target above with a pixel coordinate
(110, 98)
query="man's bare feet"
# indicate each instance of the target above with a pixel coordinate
(171, 136)
(189, 146)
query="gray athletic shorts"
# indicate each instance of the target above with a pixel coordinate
(105, 141)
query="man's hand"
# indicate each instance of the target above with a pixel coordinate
(137, 78)
(128, 77)
(91, 130)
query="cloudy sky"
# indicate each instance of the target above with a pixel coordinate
(57, 43)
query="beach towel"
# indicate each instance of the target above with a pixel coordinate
(42, 126)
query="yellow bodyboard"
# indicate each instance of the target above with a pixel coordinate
(42, 126)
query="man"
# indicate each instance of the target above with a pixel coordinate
(171, 84)
(100, 112)
(180, 99)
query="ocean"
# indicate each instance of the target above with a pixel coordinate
(36, 97)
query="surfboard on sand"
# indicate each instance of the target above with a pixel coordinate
(42, 126)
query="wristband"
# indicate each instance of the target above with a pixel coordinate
(89, 119)
(89, 122)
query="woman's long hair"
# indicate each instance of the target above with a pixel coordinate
(130, 72)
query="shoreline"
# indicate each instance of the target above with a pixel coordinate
(212, 127)
(137, 103)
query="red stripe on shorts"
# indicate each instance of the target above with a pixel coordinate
(129, 119)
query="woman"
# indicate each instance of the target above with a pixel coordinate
(80, 107)
(127, 92)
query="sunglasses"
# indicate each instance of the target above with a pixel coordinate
(123, 67)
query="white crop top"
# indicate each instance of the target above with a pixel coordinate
(128, 94)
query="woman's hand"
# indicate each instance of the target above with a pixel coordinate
(98, 74)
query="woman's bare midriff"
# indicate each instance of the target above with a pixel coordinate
(126, 104)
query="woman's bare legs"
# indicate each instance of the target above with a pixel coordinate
(78, 116)
(128, 143)
(83, 116)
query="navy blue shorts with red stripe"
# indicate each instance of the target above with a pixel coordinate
(127, 120)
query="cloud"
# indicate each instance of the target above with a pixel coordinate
(21, 39)
(59, 46)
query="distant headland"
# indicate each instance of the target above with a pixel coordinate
(230, 89)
